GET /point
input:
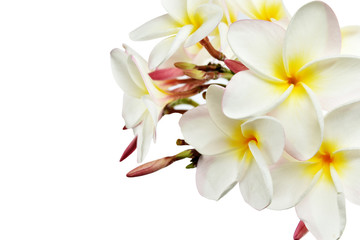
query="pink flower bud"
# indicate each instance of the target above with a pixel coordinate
(166, 74)
(300, 231)
(235, 66)
(151, 167)
(129, 150)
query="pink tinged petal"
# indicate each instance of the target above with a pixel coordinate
(292, 180)
(341, 126)
(300, 231)
(348, 170)
(265, 95)
(269, 135)
(121, 73)
(312, 34)
(201, 132)
(133, 111)
(177, 10)
(130, 149)
(256, 186)
(350, 40)
(166, 74)
(216, 175)
(167, 47)
(145, 132)
(214, 96)
(301, 116)
(334, 80)
(207, 17)
(235, 66)
(158, 27)
(250, 41)
(323, 210)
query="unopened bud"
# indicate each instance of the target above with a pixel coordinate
(235, 66)
(151, 167)
(184, 65)
(166, 74)
(300, 231)
(195, 74)
(130, 149)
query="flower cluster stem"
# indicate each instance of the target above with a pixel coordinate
(212, 51)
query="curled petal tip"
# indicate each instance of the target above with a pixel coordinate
(235, 66)
(166, 74)
(300, 231)
(129, 150)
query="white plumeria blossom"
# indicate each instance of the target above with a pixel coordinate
(350, 40)
(293, 74)
(233, 151)
(187, 23)
(143, 100)
(318, 186)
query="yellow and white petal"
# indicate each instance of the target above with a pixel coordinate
(312, 34)
(247, 95)
(133, 111)
(214, 96)
(292, 180)
(177, 10)
(347, 165)
(121, 74)
(269, 135)
(267, 10)
(201, 132)
(301, 116)
(216, 175)
(167, 47)
(341, 127)
(323, 210)
(350, 40)
(256, 186)
(250, 41)
(158, 27)
(206, 19)
(335, 80)
(145, 132)
(192, 6)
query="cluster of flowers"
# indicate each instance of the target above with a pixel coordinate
(284, 125)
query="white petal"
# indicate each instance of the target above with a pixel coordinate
(301, 116)
(334, 80)
(350, 40)
(256, 185)
(133, 111)
(167, 47)
(145, 133)
(292, 180)
(269, 134)
(263, 9)
(347, 165)
(177, 10)
(154, 109)
(158, 27)
(192, 6)
(342, 126)
(313, 33)
(214, 96)
(216, 175)
(201, 132)
(208, 16)
(121, 73)
(250, 41)
(248, 95)
(323, 210)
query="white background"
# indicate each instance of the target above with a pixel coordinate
(61, 136)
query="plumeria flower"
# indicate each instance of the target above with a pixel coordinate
(293, 74)
(233, 151)
(350, 40)
(187, 23)
(318, 186)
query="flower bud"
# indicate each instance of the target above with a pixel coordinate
(184, 65)
(195, 74)
(235, 66)
(300, 231)
(166, 74)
